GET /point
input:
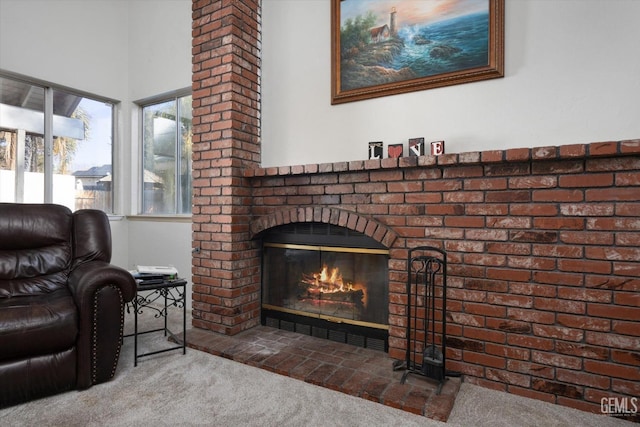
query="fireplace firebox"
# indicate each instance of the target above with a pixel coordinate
(326, 281)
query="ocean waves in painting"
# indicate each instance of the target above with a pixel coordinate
(446, 46)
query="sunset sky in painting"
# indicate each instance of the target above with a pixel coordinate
(411, 12)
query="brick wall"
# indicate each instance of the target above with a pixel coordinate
(543, 243)
(543, 249)
(226, 121)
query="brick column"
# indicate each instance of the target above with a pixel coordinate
(226, 142)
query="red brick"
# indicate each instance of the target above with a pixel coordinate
(586, 237)
(508, 377)
(530, 342)
(603, 148)
(588, 266)
(512, 196)
(532, 263)
(529, 368)
(575, 150)
(484, 309)
(485, 335)
(484, 359)
(630, 388)
(611, 194)
(485, 184)
(513, 154)
(613, 340)
(560, 332)
(626, 357)
(510, 300)
(556, 360)
(557, 196)
(614, 224)
(547, 223)
(630, 146)
(533, 316)
(613, 311)
(581, 294)
(612, 370)
(587, 209)
(563, 306)
(534, 209)
(582, 350)
(627, 209)
(557, 388)
(626, 328)
(582, 322)
(587, 180)
(487, 209)
(529, 182)
(507, 351)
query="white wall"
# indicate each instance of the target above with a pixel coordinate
(160, 61)
(571, 76)
(72, 43)
(124, 50)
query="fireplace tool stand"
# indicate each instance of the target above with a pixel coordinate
(427, 300)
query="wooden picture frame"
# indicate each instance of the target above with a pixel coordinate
(410, 49)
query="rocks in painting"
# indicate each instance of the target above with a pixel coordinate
(420, 40)
(444, 51)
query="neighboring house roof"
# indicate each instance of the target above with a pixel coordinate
(96, 171)
(148, 177)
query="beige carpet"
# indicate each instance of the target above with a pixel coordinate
(201, 389)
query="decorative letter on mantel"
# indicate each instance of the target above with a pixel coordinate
(375, 150)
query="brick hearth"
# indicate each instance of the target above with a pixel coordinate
(345, 368)
(543, 243)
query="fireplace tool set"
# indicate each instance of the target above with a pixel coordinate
(427, 297)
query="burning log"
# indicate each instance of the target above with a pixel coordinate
(330, 287)
(354, 296)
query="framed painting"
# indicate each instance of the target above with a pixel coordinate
(387, 47)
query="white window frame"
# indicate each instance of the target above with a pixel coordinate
(140, 105)
(49, 89)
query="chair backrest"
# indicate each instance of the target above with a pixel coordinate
(91, 236)
(36, 250)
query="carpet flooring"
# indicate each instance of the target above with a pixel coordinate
(198, 388)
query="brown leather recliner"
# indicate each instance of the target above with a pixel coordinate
(61, 302)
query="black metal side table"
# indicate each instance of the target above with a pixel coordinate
(172, 293)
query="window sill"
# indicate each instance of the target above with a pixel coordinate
(160, 218)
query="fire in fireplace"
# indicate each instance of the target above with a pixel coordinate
(326, 281)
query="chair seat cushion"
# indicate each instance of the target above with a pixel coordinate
(38, 324)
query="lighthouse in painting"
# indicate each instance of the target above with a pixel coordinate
(392, 22)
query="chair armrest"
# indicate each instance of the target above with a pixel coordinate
(89, 277)
(100, 291)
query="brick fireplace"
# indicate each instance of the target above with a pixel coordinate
(543, 243)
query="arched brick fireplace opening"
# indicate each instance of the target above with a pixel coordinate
(322, 275)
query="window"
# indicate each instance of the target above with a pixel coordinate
(55, 146)
(166, 159)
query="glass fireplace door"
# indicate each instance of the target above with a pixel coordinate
(333, 283)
